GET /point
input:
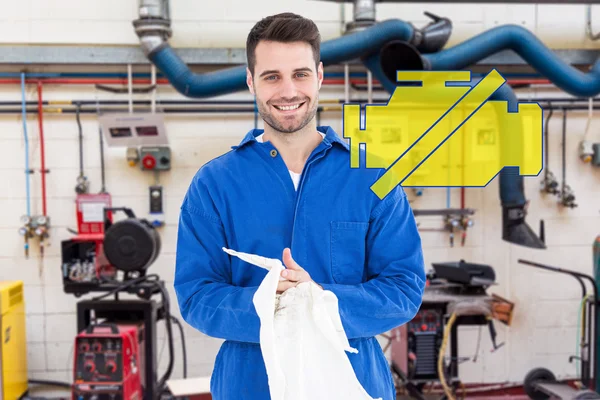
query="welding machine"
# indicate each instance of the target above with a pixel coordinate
(107, 363)
(455, 295)
(118, 363)
(13, 356)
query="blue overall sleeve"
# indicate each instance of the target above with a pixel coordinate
(393, 291)
(207, 299)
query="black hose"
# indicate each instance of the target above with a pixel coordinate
(183, 349)
(77, 113)
(49, 383)
(125, 286)
(546, 170)
(102, 168)
(564, 153)
(162, 383)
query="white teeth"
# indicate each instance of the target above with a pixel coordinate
(288, 108)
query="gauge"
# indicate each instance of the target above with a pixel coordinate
(41, 220)
(25, 219)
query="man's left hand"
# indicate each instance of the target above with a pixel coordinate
(294, 273)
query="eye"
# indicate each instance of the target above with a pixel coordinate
(302, 75)
(270, 78)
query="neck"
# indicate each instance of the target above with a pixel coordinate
(295, 147)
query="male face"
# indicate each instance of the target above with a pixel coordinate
(286, 84)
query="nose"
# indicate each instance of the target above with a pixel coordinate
(288, 89)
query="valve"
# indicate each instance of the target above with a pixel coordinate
(83, 185)
(550, 184)
(26, 232)
(41, 230)
(450, 224)
(465, 223)
(567, 197)
(35, 227)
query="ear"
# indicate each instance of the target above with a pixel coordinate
(320, 73)
(249, 81)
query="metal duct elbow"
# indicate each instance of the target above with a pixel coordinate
(153, 36)
(434, 36)
(153, 26)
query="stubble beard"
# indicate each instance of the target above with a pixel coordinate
(280, 128)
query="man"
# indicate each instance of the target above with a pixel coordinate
(288, 192)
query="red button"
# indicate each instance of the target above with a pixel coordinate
(424, 327)
(149, 161)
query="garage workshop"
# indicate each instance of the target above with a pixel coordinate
(299, 200)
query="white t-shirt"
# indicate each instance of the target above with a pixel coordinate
(295, 176)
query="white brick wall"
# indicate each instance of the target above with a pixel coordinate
(543, 332)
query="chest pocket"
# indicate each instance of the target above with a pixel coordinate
(348, 251)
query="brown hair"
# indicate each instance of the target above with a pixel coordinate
(286, 28)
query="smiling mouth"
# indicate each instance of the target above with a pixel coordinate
(289, 107)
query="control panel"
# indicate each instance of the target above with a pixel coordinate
(426, 320)
(107, 364)
(156, 158)
(99, 359)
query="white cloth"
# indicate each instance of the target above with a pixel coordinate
(302, 339)
(295, 176)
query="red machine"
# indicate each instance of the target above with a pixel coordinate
(107, 363)
(83, 259)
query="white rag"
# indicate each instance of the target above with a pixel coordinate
(302, 339)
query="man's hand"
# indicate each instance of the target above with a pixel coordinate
(294, 273)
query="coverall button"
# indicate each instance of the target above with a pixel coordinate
(273, 153)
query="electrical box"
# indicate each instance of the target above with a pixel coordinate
(156, 158)
(156, 206)
(90, 213)
(132, 130)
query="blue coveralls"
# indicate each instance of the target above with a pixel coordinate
(365, 250)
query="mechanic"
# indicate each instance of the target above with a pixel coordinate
(288, 192)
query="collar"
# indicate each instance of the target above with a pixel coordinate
(331, 137)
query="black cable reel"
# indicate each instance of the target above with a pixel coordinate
(130, 245)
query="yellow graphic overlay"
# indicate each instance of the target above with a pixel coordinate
(440, 135)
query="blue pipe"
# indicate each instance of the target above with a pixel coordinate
(233, 79)
(526, 45)
(24, 118)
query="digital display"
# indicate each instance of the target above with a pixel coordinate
(146, 130)
(120, 132)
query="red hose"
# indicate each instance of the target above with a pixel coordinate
(163, 81)
(42, 152)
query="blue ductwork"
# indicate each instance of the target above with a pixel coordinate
(230, 80)
(528, 47)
